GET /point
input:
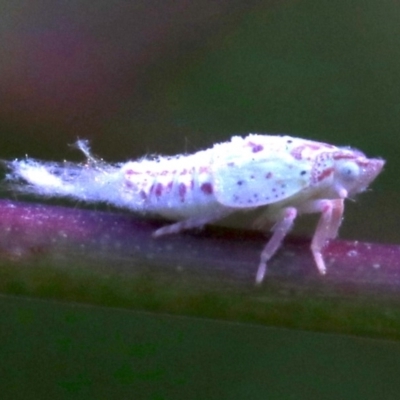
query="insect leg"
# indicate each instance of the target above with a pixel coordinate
(263, 221)
(281, 228)
(327, 228)
(195, 222)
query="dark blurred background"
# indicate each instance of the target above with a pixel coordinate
(169, 77)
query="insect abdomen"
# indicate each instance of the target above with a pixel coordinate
(182, 188)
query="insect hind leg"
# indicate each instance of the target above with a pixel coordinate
(190, 223)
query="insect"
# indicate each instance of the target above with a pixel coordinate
(287, 176)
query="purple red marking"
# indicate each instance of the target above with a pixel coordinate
(324, 174)
(159, 189)
(182, 191)
(255, 148)
(206, 188)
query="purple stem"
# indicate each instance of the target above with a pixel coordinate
(124, 243)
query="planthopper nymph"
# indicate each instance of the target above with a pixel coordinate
(287, 176)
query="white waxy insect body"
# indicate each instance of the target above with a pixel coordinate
(290, 176)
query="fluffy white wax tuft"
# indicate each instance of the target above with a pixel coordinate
(91, 181)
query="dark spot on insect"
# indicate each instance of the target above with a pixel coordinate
(344, 156)
(182, 191)
(268, 175)
(255, 195)
(252, 177)
(143, 195)
(231, 164)
(289, 141)
(129, 184)
(255, 148)
(303, 173)
(206, 188)
(159, 189)
(132, 172)
(324, 174)
(258, 148)
(240, 183)
(274, 190)
(283, 185)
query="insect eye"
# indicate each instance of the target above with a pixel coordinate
(349, 171)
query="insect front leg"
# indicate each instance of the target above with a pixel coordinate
(327, 228)
(280, 230)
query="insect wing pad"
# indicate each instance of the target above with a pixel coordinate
(258, 180)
